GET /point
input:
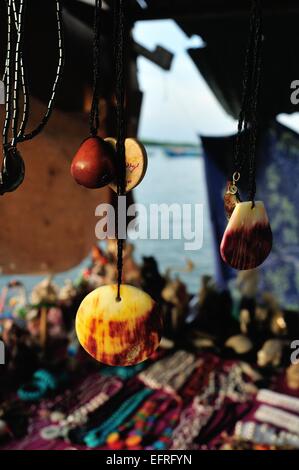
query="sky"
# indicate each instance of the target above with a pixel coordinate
(178, 105)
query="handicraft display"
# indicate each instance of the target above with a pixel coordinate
(116, 324)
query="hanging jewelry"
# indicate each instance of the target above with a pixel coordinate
(247, 240)
(117, 324)
(13, 168)
(93, 165)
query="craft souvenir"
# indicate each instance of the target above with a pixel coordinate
(292, 376)
(136, 162)
(239, 343)
(45, 292)
(247, 240)
(271, 353)
(122, 332)
(92, 165)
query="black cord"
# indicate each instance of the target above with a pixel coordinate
(47, 115)
(7, 76)
(17, 57)
(257, 59)
(246, 140)
(94, 116)
(119, 21)
(22, 70)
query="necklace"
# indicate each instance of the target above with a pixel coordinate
(13, 169)
(97, 436)
(79, 416)
(247, 240)
(135, 432)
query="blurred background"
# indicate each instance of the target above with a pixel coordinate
(224, 375)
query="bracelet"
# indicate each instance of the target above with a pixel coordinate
(33, 391)
(192, 420)
(277, 417)
(171, 372)
(123, 372)
(264, 434)
(278, 399)
(42, 382)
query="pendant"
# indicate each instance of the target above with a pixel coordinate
(231, 198)
(247, 240)
(119, 333)
(136, 162)
(13, 171)
(93, 164)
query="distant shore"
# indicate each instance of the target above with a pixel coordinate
(157, 143)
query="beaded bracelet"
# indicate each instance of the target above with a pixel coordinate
(264, 434)
(33, 391)
(42, 382)
(123, 372)
(192, 420)
(171, 372)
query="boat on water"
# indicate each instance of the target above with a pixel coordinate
(174, 152)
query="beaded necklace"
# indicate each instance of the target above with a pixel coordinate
(79, 416)
(97, 436)
(136, 431)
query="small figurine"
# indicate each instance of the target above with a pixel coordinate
(177, 298)
(240, 344)
(45, 292)
(292, 376)
(271, 353)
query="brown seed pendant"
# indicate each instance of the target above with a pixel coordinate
(93, 165)
(136, 162)
(247, 240)
(119, 333)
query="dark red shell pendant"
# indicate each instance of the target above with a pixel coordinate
(93, 165)
(247, 240)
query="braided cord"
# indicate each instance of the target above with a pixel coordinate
(119, 21)
(7, 75)
(20, 24)
(47, 115)
(246, 140)
(15, 101)
(94, 118)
